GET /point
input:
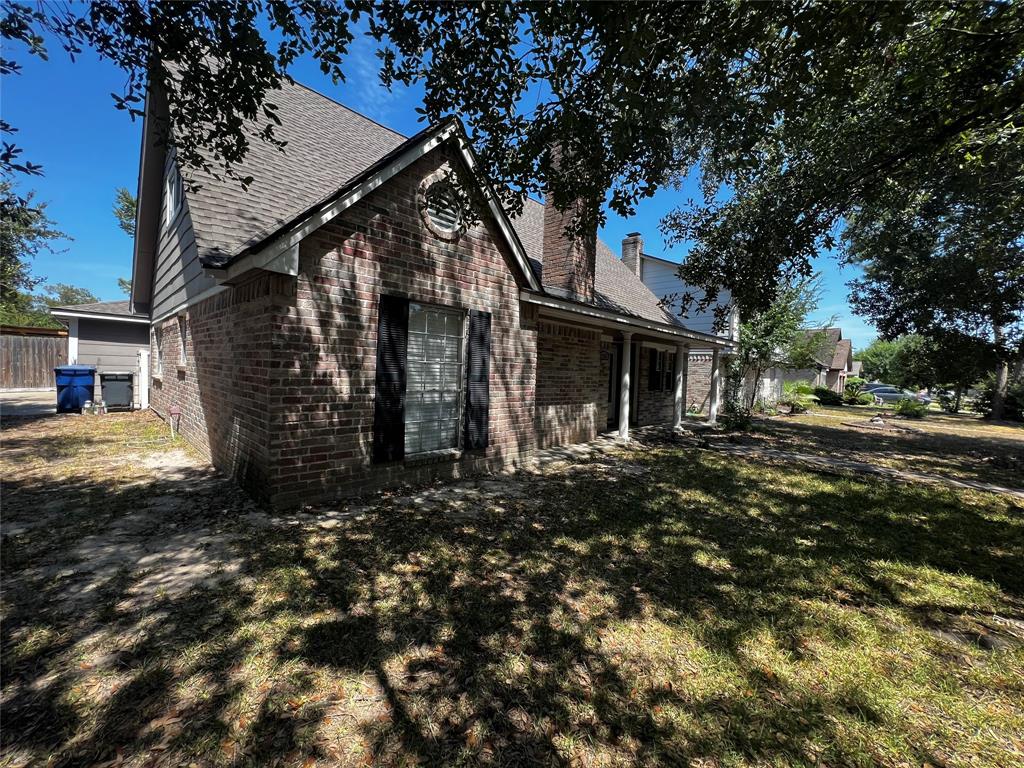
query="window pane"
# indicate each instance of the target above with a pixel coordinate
(434, 378)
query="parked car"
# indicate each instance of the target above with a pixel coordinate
(871, 386)
(887, 394)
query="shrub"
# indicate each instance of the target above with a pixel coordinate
(795, 404)
(852, 394)
(911, 408)
(826, 396)
(864, 398)
(792, 389)
(1014, 408)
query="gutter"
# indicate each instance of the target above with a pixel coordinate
(624, 322)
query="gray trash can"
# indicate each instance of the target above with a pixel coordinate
(118, 389)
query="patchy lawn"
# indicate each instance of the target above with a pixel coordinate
(961, 446)
(662, 607)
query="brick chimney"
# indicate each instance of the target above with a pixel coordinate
(569, 261)
(632, 247)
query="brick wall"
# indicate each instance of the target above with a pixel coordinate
(222, 387)
(653, 407)
(572, 384)
(698, 381)
(324, 350)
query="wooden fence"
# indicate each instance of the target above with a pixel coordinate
(29, 355)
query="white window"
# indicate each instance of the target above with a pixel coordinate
(434, 378)
(158, 352)
(172, 195)
(182, 338)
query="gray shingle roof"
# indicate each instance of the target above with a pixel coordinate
(616, 288)
(329, 145)
(833, 350)
(103, 308)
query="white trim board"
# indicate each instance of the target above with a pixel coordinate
(72, 340)
(212, 291)
(98, 316)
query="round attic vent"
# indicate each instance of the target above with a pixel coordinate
(444, 212)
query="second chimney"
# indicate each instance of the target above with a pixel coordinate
(632, 248)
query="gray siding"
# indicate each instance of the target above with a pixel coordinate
(178, 276)
(111, 345)
(663, 280)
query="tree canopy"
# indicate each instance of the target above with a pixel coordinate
(792, 115)
(124, 210)
(776, 336)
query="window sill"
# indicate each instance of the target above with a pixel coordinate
(434, 457)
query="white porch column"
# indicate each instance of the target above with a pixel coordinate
(679, 395)
(716, 386)
(627, 356)
(143, 379)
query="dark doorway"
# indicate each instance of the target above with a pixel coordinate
(615, 380)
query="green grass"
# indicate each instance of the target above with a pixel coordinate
(697, 609)
(958, 446)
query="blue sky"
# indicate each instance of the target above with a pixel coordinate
(67, 122)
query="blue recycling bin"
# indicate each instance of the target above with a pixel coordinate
(74, 387)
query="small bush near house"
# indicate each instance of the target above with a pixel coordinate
(795, 404)
(852, 394)
(911, 409)
(826, 396)
(797, 389)
(796, 396)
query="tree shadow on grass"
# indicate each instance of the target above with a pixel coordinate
(649, 617)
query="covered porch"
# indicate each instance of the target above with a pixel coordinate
(601, 371)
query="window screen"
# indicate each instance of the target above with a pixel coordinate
(434, 379)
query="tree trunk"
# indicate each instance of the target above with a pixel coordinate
(956, 400)
(1002, 380)
(999, 394)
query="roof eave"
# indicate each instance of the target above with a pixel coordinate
(626, 322)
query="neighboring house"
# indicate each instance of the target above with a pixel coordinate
(856, 369)
(661, 276)
(108, 335)
(342, 324)
(833, 362)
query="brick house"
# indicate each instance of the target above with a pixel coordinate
(342, 324)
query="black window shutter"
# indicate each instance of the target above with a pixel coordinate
(389, 399)
(653, 374)
(477, 375)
